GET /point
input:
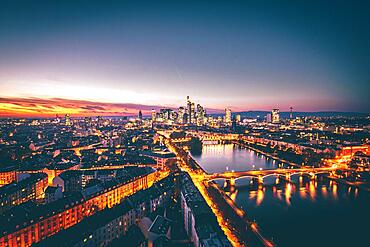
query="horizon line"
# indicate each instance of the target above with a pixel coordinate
(36, 107)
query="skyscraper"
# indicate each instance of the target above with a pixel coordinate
(68, 120)
(200, 115)
(181, 115)
(291, 113)
(192, 112)
(275, 116)
(153, 115)
(268, 118)
(189, 105)
(140, 115)
(227, 116)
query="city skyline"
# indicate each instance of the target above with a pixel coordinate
(114, 57)
(49, 108)
(184, 123)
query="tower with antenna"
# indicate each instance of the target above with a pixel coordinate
(291, 113)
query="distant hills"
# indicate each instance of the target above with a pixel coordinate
(262, 114)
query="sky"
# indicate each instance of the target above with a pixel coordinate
(116, 57)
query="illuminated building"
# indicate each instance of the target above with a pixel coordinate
(291, 113)
(227, 116)
(181, 116)
(188, 103)
(97, 230)
(166, 114)
(174, 116)
(200, 115)
(200, 223)
(68, 120)
(192, 113)
(238, 118)
(153, 116)
(76, 180)
(268, 118)
(46, 220)
(275, 116)
(29, 188)
(111, 223)
(160, 157)
(349, 150)
(7, 176)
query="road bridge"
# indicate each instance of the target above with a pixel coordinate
(211, 136)
(265, 173)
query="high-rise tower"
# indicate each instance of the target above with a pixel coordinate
(275, 116)
(68, 120)
(181, 115)
(227, 116)
(153, 115)
(189, 110)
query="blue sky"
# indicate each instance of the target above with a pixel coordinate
(247, 55)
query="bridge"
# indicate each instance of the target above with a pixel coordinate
(260, 174)
(237, 226)
(211, 136)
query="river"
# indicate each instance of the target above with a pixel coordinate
(304, 212)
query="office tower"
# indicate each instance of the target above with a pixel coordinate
(227, 116)
(181, 115)
(268, 118)
(210, 119)
(140, 115)
(153, 115)
(291, 113)
(200, 115)
(68, 120)
(238, 118)
(275, 116)
(192, 113)
(174, 116)
(234, 124)
(189, 110)
(165, 114)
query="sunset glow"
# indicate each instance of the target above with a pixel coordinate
(36, 107)
(123, 55)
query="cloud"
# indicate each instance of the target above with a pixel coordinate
(38, 107)
(93, 108)
(50, 107)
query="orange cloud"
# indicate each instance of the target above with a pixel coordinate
(38, 107)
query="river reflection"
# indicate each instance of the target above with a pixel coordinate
(308, 212)
(303, 212)
(304, 189)
(220, 158)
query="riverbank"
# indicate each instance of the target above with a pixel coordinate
(266, 154)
